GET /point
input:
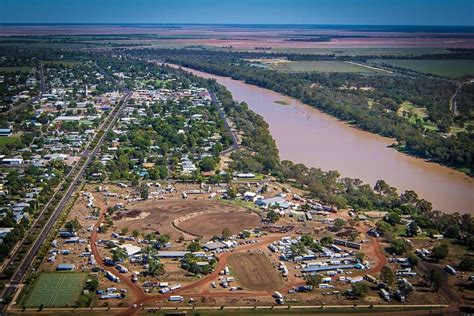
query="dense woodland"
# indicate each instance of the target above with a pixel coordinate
(326, 92)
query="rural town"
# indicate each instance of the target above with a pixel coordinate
(198, 168)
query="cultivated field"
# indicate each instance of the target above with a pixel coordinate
(208, 218)
(448, 68)
(56, 289)
(254, 271)
(321, 66)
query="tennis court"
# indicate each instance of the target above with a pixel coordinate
(56, 289)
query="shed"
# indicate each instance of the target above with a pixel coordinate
(65, 267)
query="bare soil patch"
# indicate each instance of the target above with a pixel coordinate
(207, 218)
(255, 271)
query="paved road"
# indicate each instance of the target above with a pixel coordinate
(28, 259)
(235, 144)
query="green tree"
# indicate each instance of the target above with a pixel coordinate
(381, 187)
(298, 249)
(155, 267)
(393, 218)
(119, 254)
(164, 238)
(327, 240)
(398, 246)
(440, 251)
(73, 225)
(436, 278)
(231, 192)
(226, 233)
(207, 164)
(194, 246)
(360, 256)
(135, 233)
(144, 191)
(413, 260)
(360, 289)
(467, 263)
(307, 240)
(92, 285)
(273, 216)
(313, 280)
(339, 223)
(386, 275)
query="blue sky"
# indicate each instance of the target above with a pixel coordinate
(382, 12)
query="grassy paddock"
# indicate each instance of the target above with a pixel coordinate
(321, 66)
(439, 67)
(8, 140)
(56, 289)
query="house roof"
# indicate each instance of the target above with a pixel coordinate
(131, 249)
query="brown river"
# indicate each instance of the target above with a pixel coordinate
(306, 135)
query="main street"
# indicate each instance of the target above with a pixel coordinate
(33, 250)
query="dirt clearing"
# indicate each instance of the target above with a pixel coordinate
(202, 218)
(209, 224)
(255, 271)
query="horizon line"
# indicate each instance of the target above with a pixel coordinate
(236, 24)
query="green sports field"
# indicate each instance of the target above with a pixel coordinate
(56, 289)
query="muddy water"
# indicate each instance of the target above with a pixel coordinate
(305, 134)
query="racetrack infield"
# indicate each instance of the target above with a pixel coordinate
(202, 218)
(255, 271)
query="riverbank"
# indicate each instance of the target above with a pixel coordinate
(306, 135)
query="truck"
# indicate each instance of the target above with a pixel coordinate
(303, 288)
(326, 280)
(385, 295)
(175, 298)
(121, 268)
(108, 261)
(450, 270)
(164, 290)
(400, 296)
(111, 277)
(110, 296)
(370, 278)
(175, 287)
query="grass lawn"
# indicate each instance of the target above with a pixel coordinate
(320, 66)
(58, 289)
(8, 140)
(414, 113)
(447, 68)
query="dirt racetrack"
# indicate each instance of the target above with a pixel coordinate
(209, 224)
(201, 218)
(254, 271)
